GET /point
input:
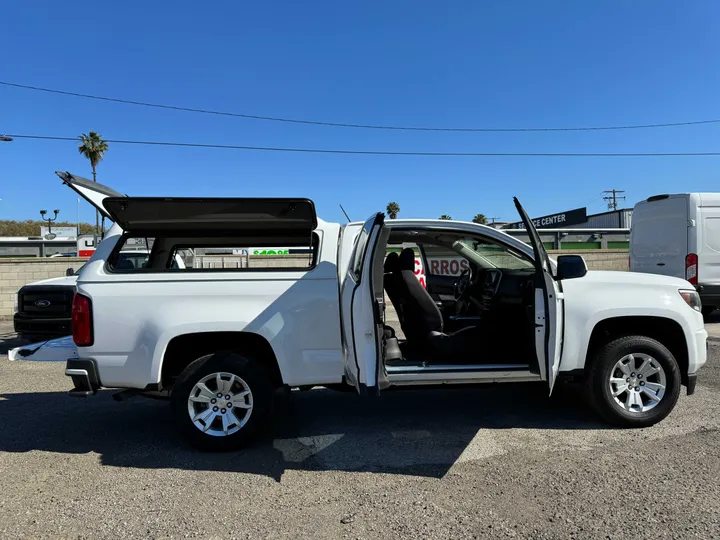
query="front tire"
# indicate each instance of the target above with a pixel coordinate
(634, 381)
(221, 401)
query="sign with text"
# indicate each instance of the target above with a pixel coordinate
(447, 266)
(556, 221)
(59, 231)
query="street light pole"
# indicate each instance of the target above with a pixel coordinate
(49, 235)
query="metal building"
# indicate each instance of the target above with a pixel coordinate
(615, 219)
(579, 219)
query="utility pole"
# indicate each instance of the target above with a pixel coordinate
(613, 199)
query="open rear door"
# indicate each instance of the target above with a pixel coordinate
(548, 306)
(363, 311)
(92, 192)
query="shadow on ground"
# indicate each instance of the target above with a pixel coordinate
(420, 432)
(10, 341)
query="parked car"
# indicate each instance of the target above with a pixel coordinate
(219, 341)
(68, 254)
(679, 235)
(43, 308)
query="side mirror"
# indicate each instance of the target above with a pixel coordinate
(70, 272)
(571, 266)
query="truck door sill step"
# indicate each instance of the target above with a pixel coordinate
(453, 368)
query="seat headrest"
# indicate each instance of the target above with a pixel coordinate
(407, 259)
(392, 263)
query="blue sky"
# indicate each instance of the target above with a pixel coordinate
(459, 64)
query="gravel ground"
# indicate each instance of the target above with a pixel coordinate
(492, 462)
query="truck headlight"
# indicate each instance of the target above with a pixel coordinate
(692, 298)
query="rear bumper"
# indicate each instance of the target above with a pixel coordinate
(50, 327)
(84, 375)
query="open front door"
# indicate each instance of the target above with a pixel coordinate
(548, 306)
(362, 308)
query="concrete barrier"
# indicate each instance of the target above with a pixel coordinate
(14, 273)
(599, 259)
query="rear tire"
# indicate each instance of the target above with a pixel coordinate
(643, 375)
(202, 411)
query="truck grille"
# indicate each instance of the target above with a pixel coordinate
(46, 302)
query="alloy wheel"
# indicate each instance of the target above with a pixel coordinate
(220, 404)
(637, 382)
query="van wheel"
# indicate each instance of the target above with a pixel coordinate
(221, 400)
(634, 381)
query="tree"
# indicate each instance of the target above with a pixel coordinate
(393, 209)
(32, 227)
(445, 216)
(93, 147)
(480, 218)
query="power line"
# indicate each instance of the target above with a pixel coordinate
(348, 125)
(379, 152)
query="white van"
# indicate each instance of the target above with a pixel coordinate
(679, 235)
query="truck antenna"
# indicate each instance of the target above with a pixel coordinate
(344, 212)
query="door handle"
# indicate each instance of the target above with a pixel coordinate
(660, 264)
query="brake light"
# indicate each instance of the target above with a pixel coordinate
(691, 268)
(82, 330)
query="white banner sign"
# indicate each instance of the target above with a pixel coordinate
(59, 231)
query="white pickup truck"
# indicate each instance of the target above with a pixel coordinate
(220, 341)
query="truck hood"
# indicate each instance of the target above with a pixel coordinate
(636, 278)
(64, 280)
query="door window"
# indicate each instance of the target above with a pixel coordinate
(359, 251)
(712, 233)
(492, 255)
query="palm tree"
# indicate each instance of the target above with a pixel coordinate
(480, 218)
(93, 147)
(392, 209)
(445, 216)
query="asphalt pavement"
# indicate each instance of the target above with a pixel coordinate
(497, 461)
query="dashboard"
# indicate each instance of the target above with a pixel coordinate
(495, 287)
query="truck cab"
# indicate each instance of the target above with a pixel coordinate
(218, 341)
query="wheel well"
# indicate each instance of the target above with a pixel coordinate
(666, 331)
(182, 350)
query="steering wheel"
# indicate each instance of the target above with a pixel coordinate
(462, 284)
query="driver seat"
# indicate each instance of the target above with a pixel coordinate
(423, 322)
(421, 316)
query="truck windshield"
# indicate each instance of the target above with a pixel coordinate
(496, 255)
